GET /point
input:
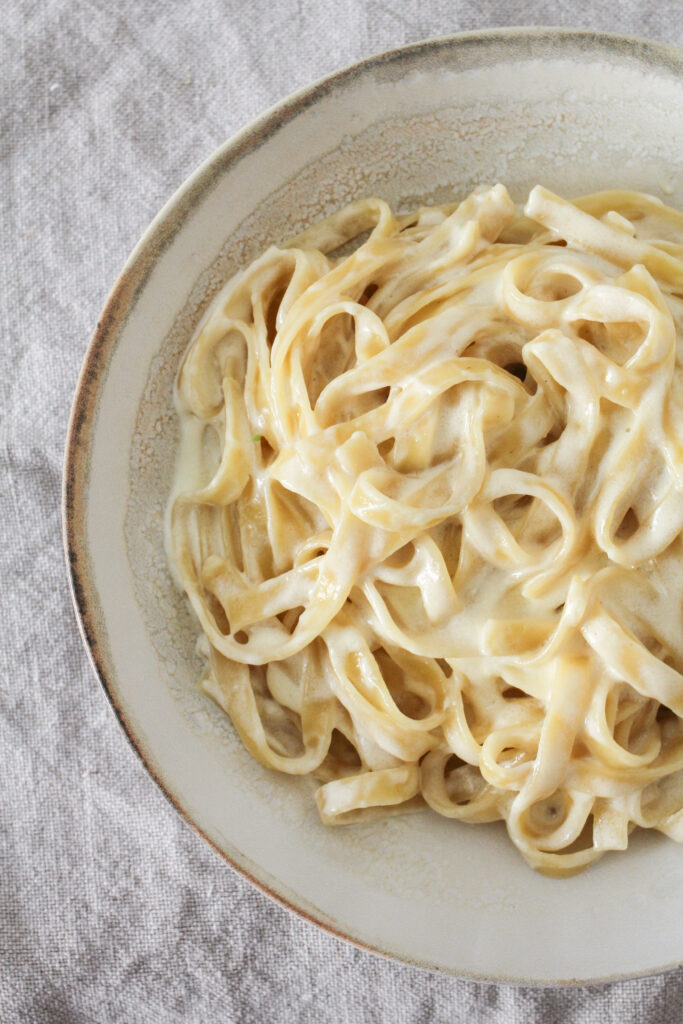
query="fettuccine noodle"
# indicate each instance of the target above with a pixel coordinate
(428, 512)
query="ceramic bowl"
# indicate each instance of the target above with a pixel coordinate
(574, 111)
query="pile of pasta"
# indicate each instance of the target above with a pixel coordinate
(428, 511)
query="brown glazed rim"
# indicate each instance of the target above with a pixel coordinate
(122, 300)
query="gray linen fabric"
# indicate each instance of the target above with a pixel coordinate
(112, 909)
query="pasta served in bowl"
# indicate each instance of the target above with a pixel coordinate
(429, 514)
(396, 482)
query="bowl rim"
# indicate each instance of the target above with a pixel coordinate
(116, 310)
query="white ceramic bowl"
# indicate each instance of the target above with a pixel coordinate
(574, 111)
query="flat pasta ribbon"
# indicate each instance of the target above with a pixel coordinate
(428, 512)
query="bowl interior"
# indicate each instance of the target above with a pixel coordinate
(572, 111)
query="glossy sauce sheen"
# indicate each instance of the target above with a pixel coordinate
(428, 511)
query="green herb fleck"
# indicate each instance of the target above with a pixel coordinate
(256, 437)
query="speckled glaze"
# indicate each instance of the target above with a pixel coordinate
(574, 111)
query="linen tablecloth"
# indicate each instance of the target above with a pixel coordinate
(112, 909)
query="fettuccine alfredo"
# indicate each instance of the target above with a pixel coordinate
(428, 511)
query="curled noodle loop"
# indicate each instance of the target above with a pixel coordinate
(429, 511)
